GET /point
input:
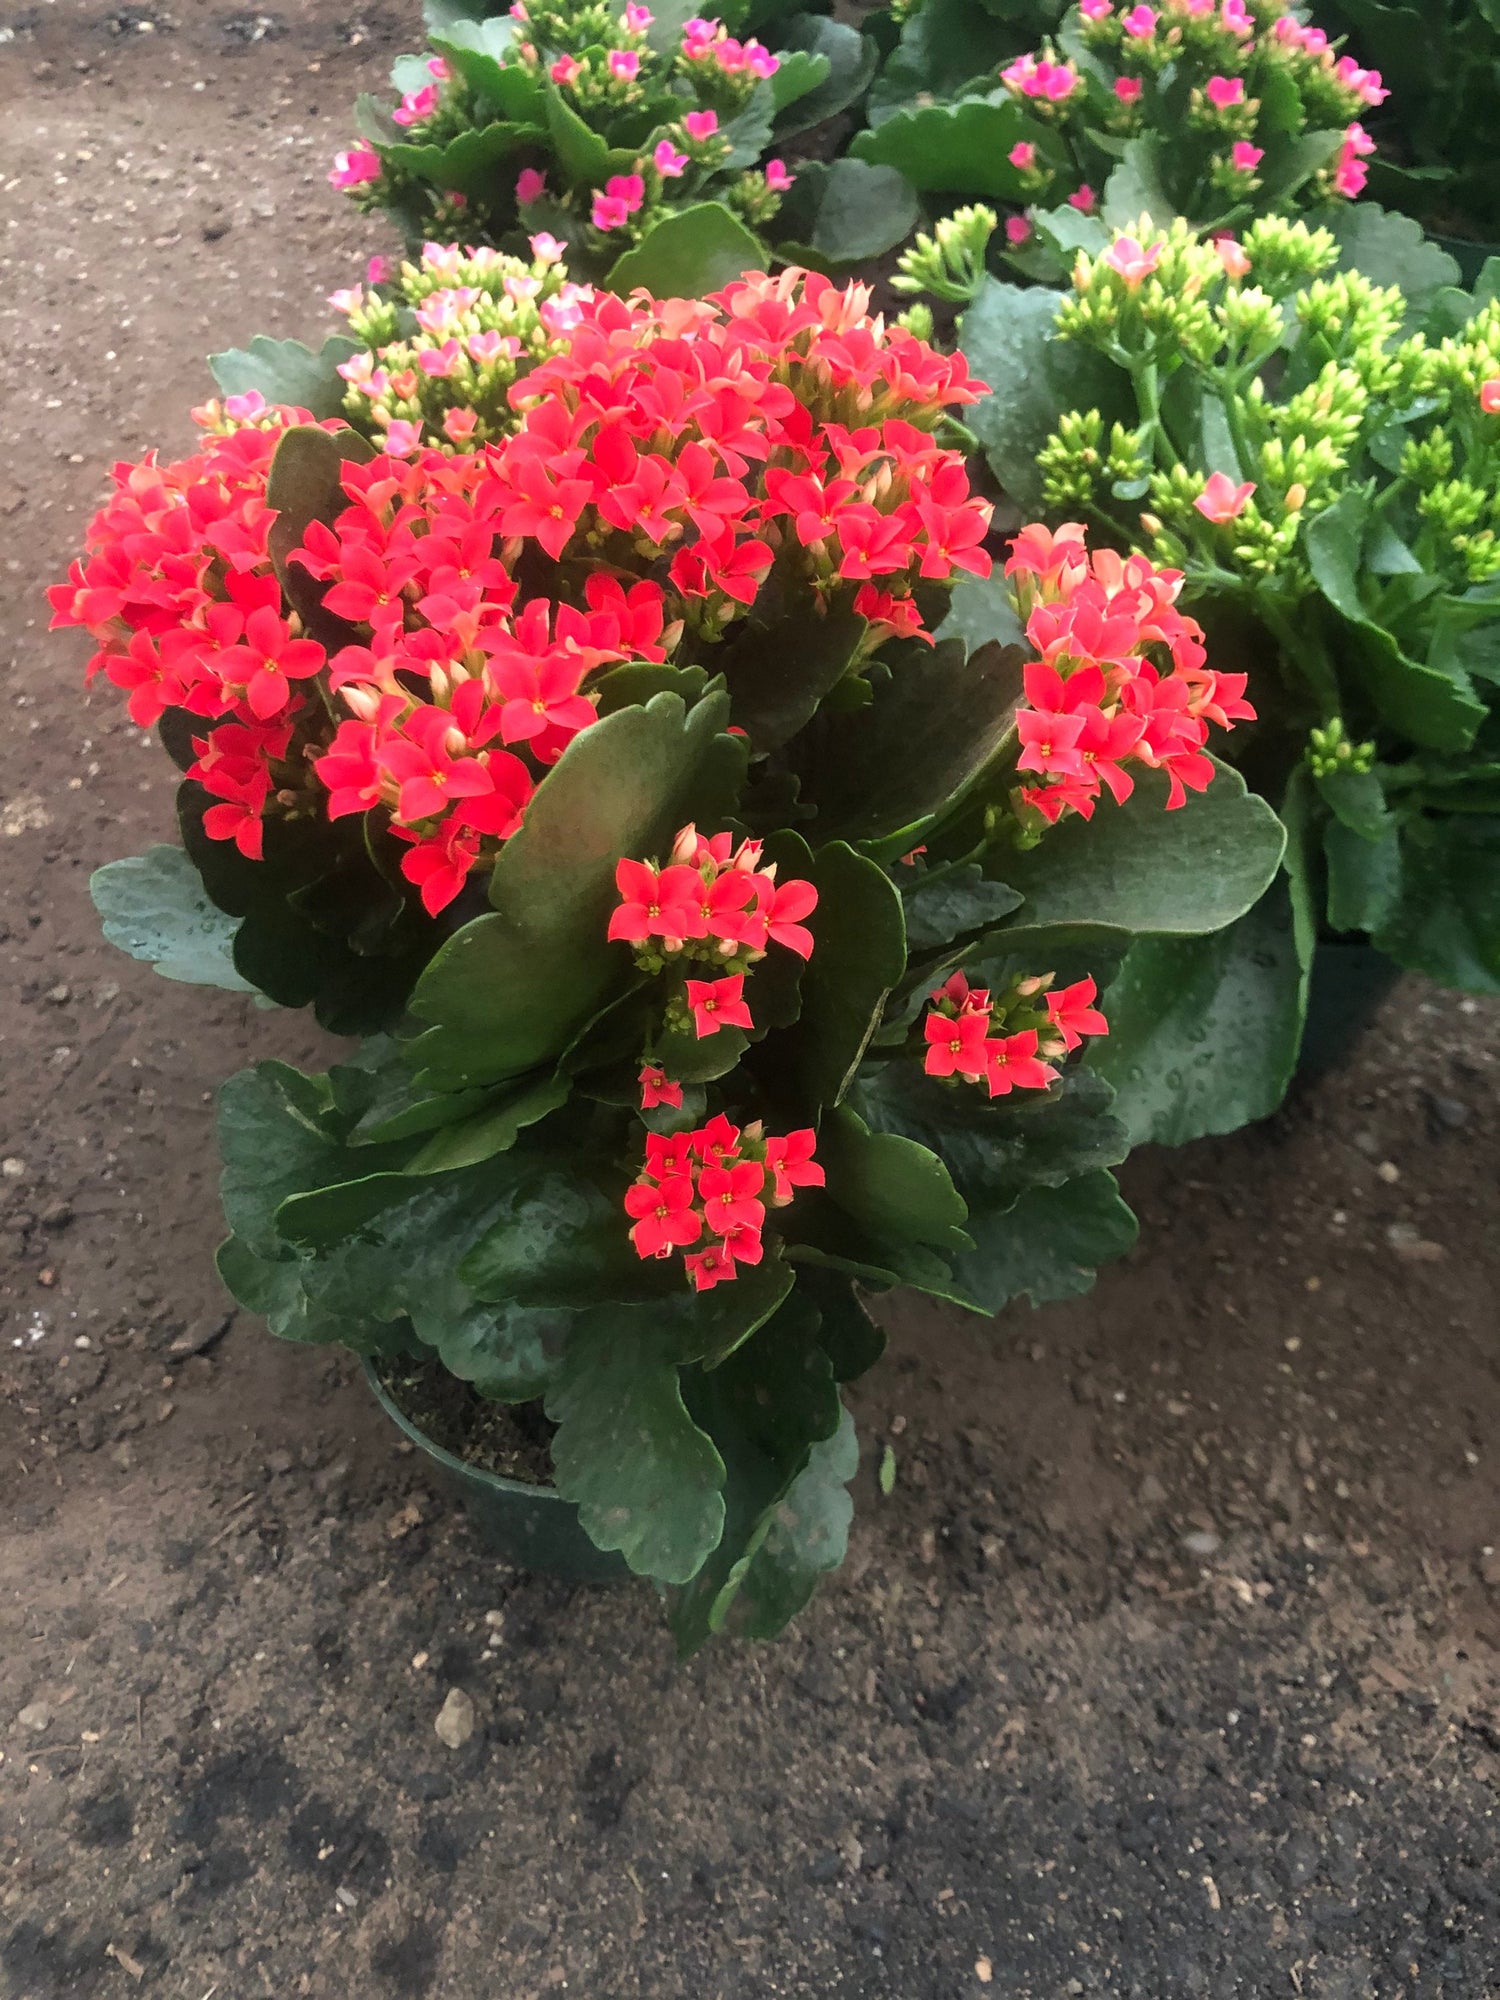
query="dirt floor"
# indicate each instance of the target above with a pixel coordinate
(1169, 1668)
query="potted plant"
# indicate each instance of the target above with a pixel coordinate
(1216, 111)
(718, 945)
(1324, 473)
(653, 146)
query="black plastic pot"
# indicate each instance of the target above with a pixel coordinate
(529, 1527)
(1350, 979)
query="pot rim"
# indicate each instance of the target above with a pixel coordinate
(480, 1475)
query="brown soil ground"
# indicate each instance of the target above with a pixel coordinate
(1169, 1668)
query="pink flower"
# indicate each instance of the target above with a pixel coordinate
(1350, 172)
(417, 105)
(1140, 22)
(547, 249)
(778, 180)
(1095, 10)
(1221, 500)
(1128, 89)
(638, 19)
(566, 70)
(1023, 155)
(1244, 157)
(1237, 18)
(531, 185)
(1489, 396)
(1223, 91)
(459, 425)
(701, 125)
(380, 270)
(1365, 83)
(402, 438)
(624, 64)
(669, 163)
(1084, 200)
(1017, 231)
(1133, 261)
(240, 409)
(1232, 255)
(356, 167)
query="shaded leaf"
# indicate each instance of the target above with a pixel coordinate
(154, 906)
(690, 253)
(284, 371)
(961, 148)
(859, 955)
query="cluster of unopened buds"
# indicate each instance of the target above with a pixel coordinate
(1095, 701)
(713, 905)
(1232, 52)
(482, 319)
(712, 1187)
(1011, 1040)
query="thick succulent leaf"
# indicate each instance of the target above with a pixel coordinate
(510, 990)
(491, 1129)
(849, 60)
(1007, 337)
(278, 1136)
(766, 1408)
(1389, 249)
(982, 610)
(687, 254)
(844, 212)
(936, 719)
(859, 955)
(807, 1537)
(474, 50)
(1137, 868)
(468, 165)
(646, 1479)
(305, 484)
(154, 906)
(945, 904)
(777, 677)
(1444, 919)
(944, 45)
(896, 1189)
(1048, 1244)
(1204, 1031)
(559, 1237)
(958, 149)
(1429, 706)
(284, 371)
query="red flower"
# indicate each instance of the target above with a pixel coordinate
(956, 1044)
(268, 662)
(718, 1003)
(658, 1088)
(790, 1163)
(709, 1267)
(665, 1219)
(656, 903)
(729, 1196)
(717, 1141)
(1011, 1064)
(1074, 1014)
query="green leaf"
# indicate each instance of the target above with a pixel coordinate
(1136, 187)
(646, 1479)
(558, 1237)
(285, 371)
(1007, 338)
(305, 484)
(1445, 918)
(1364, 876)
(799, 72)
(982, 611)
(1389, 249)
(1138, 868)
(768, 1409)
(275, 1142)
(886, 1477)
(1049, 1244)
(844, 212)
(633, 684)
(944, 45)
(937, 717)
(154, 906)
(1430, 707)
(806, 1537)
(475, 51)
(1204, 1032)
(961, 149)
(895, 1189)
(468, 165)
(851, 60)
(510, 990)
(1358, 799)
(859, 957)
(492, 1130)
(690, 253)
(582, 153)
(944, 904)
(778, 678)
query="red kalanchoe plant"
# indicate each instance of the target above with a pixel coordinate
(574, 772)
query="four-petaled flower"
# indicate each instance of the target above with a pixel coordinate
(718, 1003)
(658, 1088)
(1132, 260)
(665, 1218)
(1221, 500)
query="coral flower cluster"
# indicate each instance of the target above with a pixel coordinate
(711, 1187)
(714, 906)
(666, 462)
(1121, 678)
(1011, 1040)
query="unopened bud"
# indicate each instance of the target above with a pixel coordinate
(1151, 523)
(362, 701)
(685, 846)
(1296, 497)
